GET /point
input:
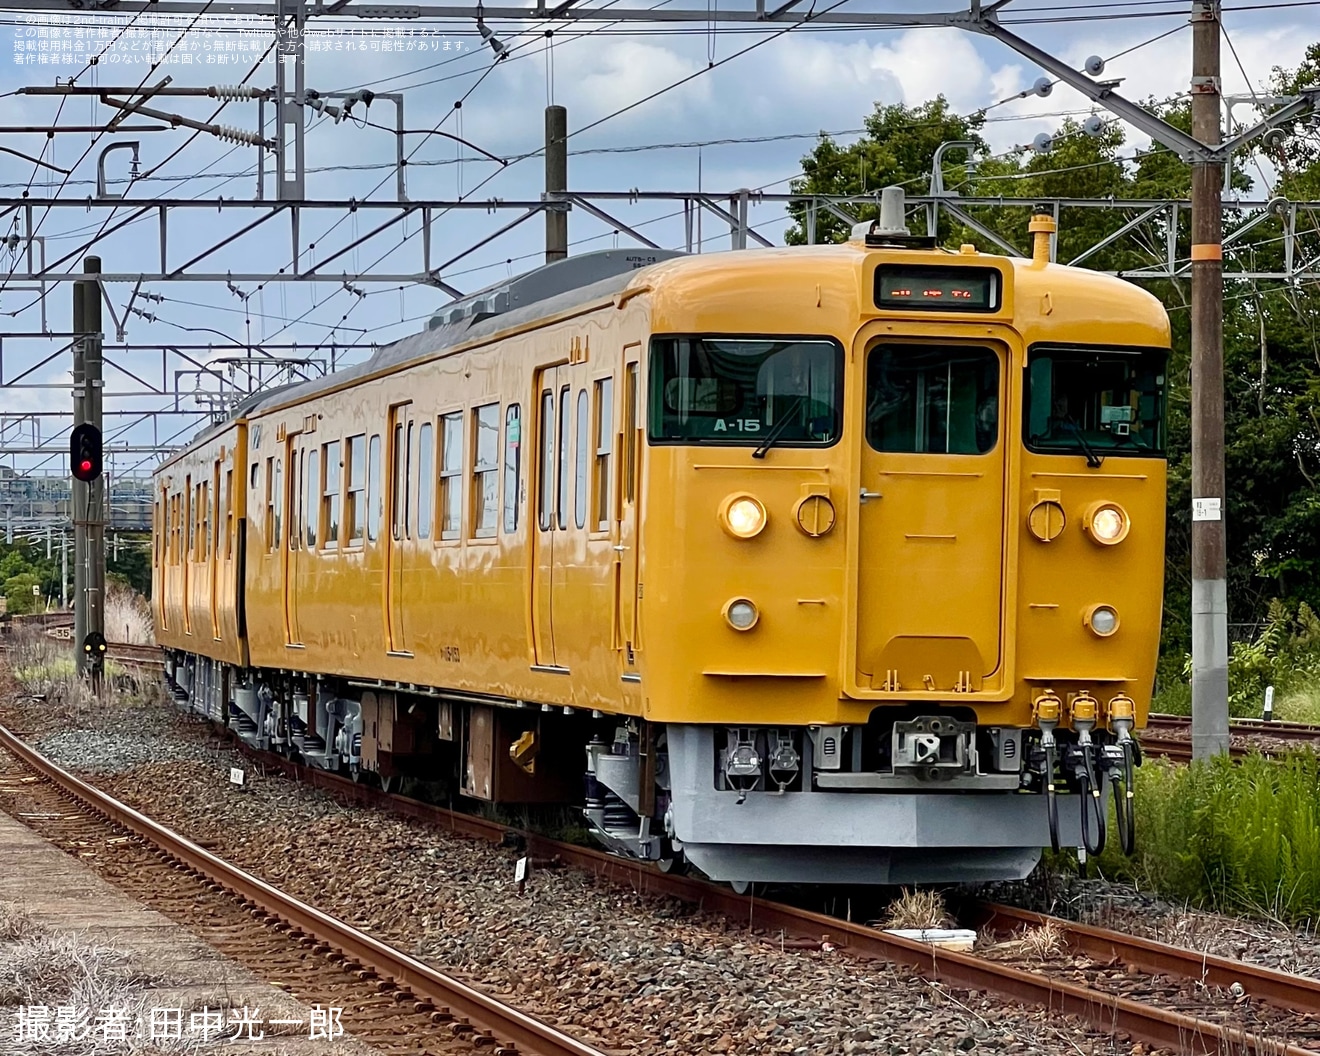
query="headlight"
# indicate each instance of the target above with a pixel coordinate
(742, 516)
(1106, 523)
(1102, 620)
(741, 614)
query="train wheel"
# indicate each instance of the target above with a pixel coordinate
(391, 784)
(676, 864)
(745, 887)
(355, 772)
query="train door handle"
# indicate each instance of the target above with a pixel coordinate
(868, 495)
(620, 549)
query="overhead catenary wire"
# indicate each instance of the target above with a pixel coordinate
(96, 138)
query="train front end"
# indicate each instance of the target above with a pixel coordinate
(901, 562)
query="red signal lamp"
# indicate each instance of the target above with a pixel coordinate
(85, 452)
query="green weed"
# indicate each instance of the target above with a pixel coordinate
(1228, 836)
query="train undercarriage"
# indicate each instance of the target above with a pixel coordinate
(910, 797)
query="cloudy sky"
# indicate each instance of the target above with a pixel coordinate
(773, 99)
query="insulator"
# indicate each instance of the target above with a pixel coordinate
(1043, 87)
(236, 135)
(235, 91)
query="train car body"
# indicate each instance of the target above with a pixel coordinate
(817, 564)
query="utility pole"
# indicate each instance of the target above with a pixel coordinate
(88, 497)
(556, 183)
(1209, 563)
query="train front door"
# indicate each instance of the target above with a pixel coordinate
(402, 443)
(930, 523)
(553, 421)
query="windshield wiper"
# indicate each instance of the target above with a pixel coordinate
(1093, 460)
(778, 429)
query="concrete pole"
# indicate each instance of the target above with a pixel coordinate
(79, 490)
(556, 182)
(1209, 560)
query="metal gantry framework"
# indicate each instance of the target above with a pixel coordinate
(1293, 226)
(1205, 149)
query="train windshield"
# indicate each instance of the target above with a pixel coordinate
(1096, 402)
(742, 391)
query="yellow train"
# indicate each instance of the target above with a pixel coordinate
(815, 564)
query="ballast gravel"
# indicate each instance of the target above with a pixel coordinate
(628, 973)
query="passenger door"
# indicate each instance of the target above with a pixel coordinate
(551, 513)
(627, 505)
(931, 517)
(290, 500)
(402, 441)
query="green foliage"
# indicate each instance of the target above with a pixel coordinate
(1271, 330)
(19, 598)
(1229, 836)
(1285, 655)
(899, 148)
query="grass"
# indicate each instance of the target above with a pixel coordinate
(127, 618)
(1228, 836)
(40, 968)
(917, 909)
(44, 669)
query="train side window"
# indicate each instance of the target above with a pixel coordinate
(486, 471)
(203, 521)
(274, 502)
(297, 464)
(932, 399)
(375, 493)
(545, 498)
(604, 448)
(451, 476)
(355, 509)
(330, 495)
(580, 466)
(630, 435)
(425, 479)
(561, 500)
(313, 505)
(512, 458)
(229, 514)
(400, 483)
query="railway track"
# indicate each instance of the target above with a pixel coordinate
(1172, 737)
(397, 996)
(1123, 979)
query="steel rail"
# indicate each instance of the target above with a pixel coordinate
(504, 1022)
(1278, 988)
(1284, 731)
(1161, 1027)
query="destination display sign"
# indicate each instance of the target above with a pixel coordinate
(930, 288)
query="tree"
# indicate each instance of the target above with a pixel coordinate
(19, 596)
(1271, 348)
(899, 148)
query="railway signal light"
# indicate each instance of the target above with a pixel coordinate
(94, 644)
(85, 452)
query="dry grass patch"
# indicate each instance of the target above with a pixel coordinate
(42, 972)
(917, 909)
